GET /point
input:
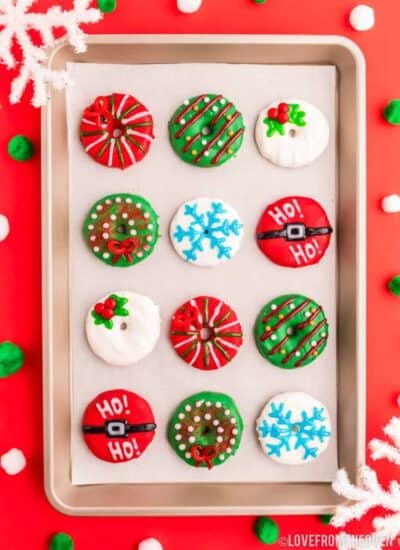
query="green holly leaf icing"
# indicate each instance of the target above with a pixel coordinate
(296, 116)
(273, 126)
(119, 311)
(99, 320)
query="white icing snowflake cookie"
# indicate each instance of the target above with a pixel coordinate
(123, 327)
(291, 133)
(206, 232)
(294, 428)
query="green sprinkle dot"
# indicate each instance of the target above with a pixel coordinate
(20, 148)
(325, 518)
(107, 6)
(394, 285)
(392, 112)
(259, 1)
(11, 359)
(267, 530)
(61, 541)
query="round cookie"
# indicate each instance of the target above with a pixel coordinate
(291, 331)
(291, 133)
(206, 333)
(294, 232)
(118, 425)
(294, 428)
(206, 130)
(206, 232)
(116, 130)
(121, 230)
(123, 327)
(206, 429)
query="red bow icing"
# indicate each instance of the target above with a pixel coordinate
(123, 248)
(204, 454)
(98, 110)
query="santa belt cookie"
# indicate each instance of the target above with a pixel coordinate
(294, 232)
(119, 428)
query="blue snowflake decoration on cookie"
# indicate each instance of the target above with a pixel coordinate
(294, 428)
(206, 232)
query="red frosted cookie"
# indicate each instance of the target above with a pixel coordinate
(118, 425)
(116, 130)
(294, 232)
(205, 332)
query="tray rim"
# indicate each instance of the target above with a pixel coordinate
(360, 239)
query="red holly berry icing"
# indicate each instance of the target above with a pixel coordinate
(103, 312)
(277, 117)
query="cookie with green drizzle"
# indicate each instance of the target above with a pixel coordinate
(291, 331)
(206, 429)
(122, 229)
(206, 130)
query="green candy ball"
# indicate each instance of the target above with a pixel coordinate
(20, 148)
(394, 285)
(325, 518)
(11, 359)
(392, 112)
(107, 6)
(259, 1)
(267, 530)
(61, 541)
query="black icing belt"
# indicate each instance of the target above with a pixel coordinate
(118, 428)
(294, 232)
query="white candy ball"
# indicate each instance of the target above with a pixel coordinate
(189, 6)
(13, 462)
(150, 544)
(4, 227)
(362, 18)
(391, 204)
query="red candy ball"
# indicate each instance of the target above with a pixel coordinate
(99, 308)
(110, 303)
(282, 118)
(273, 113)
(108, 313)
(283, 107)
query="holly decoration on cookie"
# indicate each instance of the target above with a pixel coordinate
(103, 312)
(277, 117)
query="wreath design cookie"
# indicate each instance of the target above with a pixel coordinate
(206, 232)
(123, 327)
(121, 230)
(294, 428)
(294, 232)
(291, 133)
(206, 429)
(206, 130)
(206, 333)
(116, 130)
(118, 426)
(291, 331)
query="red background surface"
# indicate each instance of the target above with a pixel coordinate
(26, 519)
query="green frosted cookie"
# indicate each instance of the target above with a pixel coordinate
(121, 230)
(291, 331)
(206, 130)
(206, 429)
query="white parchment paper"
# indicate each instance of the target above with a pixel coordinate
(247, 282)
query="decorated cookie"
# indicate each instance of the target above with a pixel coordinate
(123, 327)
(291, 331)
(291, 133)
(118, 425)
(206, 232)
(294, 232)
(207, 130)
(116, 130)
(206, 429)
(121, 230)
(206, 333)
(294, 428)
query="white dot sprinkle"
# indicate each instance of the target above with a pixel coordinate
(125, 215)
(106, 255)
(188, 455)
(106, 225)
(150, 226)
(192, 439)
(186, 102)
(219, 439)
(93, 216)
(96, 249)
(182, 121)
(227, 412)
(235, 431)
(131, 222)
(220, 430)
(99, 207)
(190, 429)
(313, 343)
(215, 108)
(233, 420)
(221, 457)
(146, 215)
(178, 426)
(232, 441)
(204, 142)
(206, 153)
(218, 405)
(229, 450)
(215, 422)
(308, 314)
(132, 232)
(128, 200)
(149, 238)
(178, 437)
(139, 254)
(181, 416)
(188, 408)
(105, 236)
(273, 337)
(139, 205)
(118, 199)
(206, 99)
(220, 143)
(113, 217)
(292, 306)
(196, 418)
(207, 416)
(273, 307)
(222, 101)
(323, 334)
(93, 238)
(108, 201)
(90, 226)
(182, 447)
(208, 403)
(297, 354)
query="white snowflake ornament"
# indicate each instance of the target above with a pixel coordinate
(370, 494)
(16, 22)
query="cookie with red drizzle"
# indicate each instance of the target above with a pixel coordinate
(116, 130)
(206, 130)
(291, 331)
(121, 230)
(206, 429)
(206, 333)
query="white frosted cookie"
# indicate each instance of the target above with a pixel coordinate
(291, 133)
(294, 428)
(123, 327)
(206, 232)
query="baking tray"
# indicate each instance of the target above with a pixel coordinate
(208, 498)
